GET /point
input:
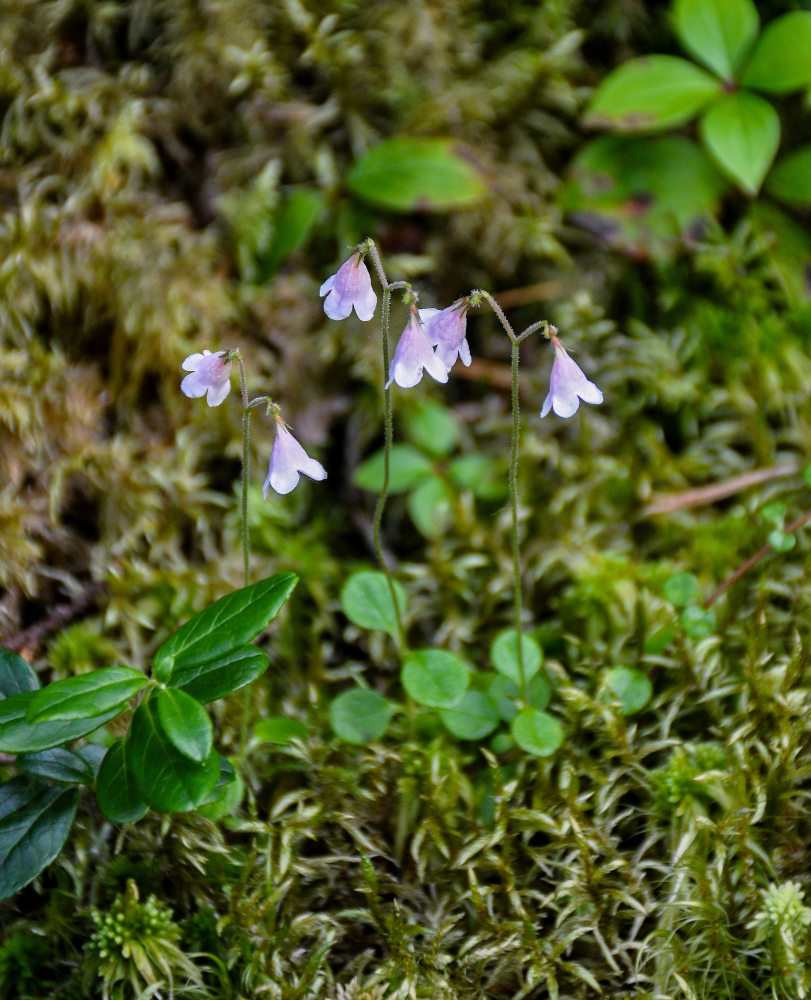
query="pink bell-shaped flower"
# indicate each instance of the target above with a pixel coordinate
(210, 377)
(447, 331)
(568, 385)
(349, 288)
(415, 353)
(287, 460)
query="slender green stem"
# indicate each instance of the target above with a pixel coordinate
(246, 440)
(516, 551)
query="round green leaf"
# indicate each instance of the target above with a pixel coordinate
(651, 94)
(790, 180)
(780, 61)
(360, 715)
(718, 33)
(186, 723)
(433, 427)
(116, 791)
(430, 506)
(407, 467)
(435, 678)
(416, 175)
(781, 541)
(366, 601)
(505, 695)
(537, 732)
(632, 688)
(774, 513)
(742, 132)
(16, 675)
(480, 474)
(681, 589)
(697, 622)
(474, 717)
(504, 655)
(280, 730)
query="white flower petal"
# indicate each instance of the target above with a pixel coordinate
(589, 393)
(194, 385)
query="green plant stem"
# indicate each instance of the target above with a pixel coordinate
(516, 550)
(246, 440)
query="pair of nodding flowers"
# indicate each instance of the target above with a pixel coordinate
(434, 338)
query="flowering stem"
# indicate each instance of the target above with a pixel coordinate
(246, 438)
(516, 551)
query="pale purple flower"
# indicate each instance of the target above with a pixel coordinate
(447, 329)
(210, 373)
(287, 460)
(415, 352)
(350, 287)
(568, 385)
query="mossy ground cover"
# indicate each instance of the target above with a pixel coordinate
(151, 153)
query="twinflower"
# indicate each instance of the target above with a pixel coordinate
(349, 288)
(447, 330)
(287, 460)
(415, 353)
(210, 374)
(568, 385)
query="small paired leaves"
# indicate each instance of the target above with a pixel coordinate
(697, 622)
(407, 467)
(537, 732)
(780, 62)
(278, 729)
(507, 695)
(86, 696)
(360, 715)
(472, 718)
(233, 620)
(116, 791)
(431, 506)
(435, 678)
(742, 132)
(366, 601)
(416, 175)
(16, 676)
(433, 427)
(719, 33)
(631, 688)
(504, 655)
(35, 820)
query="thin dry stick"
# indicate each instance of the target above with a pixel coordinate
(666, 503)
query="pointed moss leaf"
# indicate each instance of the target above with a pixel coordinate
(718, 33)
(186, 723)
(473, 718)
(86, 695)
(228, 673)
(537, 732)
(697, 622)
(431, 506)
(278, 729)
(58, 764)
(167, 779)
(416, 175)
(789, 248)
(742, 132)
(504, 655)
(116, 791)
(435, 678)
(681, 589)
(407, 467)
(651, 94)
(433, 427)
(632, 688)
(780, 61)
(19, 736)
(227, 794)
(366, 601)
(16, 675)
(360, 715)
(790, 181)
(233, 620)
(36, 820)
(295, 219)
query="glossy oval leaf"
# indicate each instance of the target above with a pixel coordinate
(475, 717)
(278, 729)
(86, 695)
(537, 732)
(631, 688)
(167, 779)
(228, 673)
(742, 132)
(719, 33)
(19, 736)
(233, 620)
(435, 678)
(781, 60)
(790, 181)
(227, 794)
(366, 601)
(116, 791)
(651, 94)
(36, 820)
(407, 467)
(58, 764)
(186, 723)
(504, 656)
(16, 676)
(360, 715)
(416, 175)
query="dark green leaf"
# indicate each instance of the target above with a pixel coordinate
(475, 717)
(719, 33)
(86, 695)
(435, 678)
(295, 219)
(186, 723)
(780, 61)
(407, 467)
(228, 673)
(231, 621)
(632, 688)
(227, 794)
(537, 732)
(58, 764)
(651, 94)
(416, 175)
(790, 180)
(36, 821)
(360, 715)
(168, 781)
(116, 790)
(19, 736)
(366, 601)
(433, 427)
(280, 730)
(742, 132)
(16, 675)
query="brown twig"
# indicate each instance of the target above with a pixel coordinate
(666, 503)
(27, 642)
